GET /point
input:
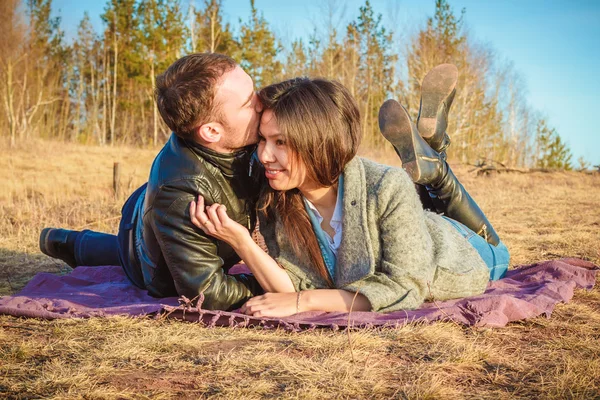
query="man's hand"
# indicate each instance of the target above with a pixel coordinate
(271, 305)
(214, 221)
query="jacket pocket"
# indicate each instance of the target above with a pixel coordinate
(458, 282)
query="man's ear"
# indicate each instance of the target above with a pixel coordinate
(211, 132)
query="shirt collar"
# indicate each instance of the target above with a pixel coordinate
(338, 212)
(230, 164)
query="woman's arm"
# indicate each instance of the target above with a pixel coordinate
(213, 220)
(284, 304)
(333, 300)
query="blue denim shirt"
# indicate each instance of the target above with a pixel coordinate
(328, 253)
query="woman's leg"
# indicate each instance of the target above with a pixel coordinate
(496, 257)
(427, 167)
(422, 150)
(425, 198)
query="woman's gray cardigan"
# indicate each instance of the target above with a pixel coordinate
(393, 252)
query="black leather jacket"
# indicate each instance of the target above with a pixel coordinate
(175, 257)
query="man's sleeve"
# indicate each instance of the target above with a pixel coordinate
(191, 256)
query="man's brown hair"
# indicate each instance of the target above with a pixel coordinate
(185, 92)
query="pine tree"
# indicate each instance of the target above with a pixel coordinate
(475, 123)
(258, 50)
(369, 66)
(124, 65)
(12, 54)
(297, 61)
(42, 72)
(210, 33)
(82, 57)
(161, 36)
(553, 153)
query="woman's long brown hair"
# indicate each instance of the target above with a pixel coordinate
(320, 121)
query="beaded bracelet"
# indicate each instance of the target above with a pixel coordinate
(298, 302)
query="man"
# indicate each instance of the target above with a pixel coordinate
(210, 104)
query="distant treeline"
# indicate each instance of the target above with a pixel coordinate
(98, 87)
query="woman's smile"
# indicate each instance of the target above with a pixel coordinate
(272, 173)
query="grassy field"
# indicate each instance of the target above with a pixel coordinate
(539, 216)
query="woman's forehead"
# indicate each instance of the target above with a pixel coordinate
(268, 123)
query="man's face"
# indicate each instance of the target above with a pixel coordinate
(240, 109)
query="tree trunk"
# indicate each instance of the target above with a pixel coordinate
(104, 97)
(213, 39)
(10, 104)
(114, 100)
(154, 110)
(192, 25)
(77, 125)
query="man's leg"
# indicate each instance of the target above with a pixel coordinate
(96, 248)
(80, 247)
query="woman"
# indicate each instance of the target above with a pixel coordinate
(345, 233)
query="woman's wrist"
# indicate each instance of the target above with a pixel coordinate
(305, 300)
(298, 298)
(243, 245)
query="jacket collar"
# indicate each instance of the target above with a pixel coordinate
(355, 256)
(230, 164)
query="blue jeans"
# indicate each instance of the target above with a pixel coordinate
(495, 257)
(97, 248)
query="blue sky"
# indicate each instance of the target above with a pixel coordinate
(554, 45)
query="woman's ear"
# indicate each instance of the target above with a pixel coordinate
(211, 132)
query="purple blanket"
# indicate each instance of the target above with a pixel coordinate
(525, 292)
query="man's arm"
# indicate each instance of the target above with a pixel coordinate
(192, 257)
(214, 221)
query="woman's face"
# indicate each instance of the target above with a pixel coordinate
(283, 168)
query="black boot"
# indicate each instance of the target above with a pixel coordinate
(437, 93)
(427, 167)
(419, 160)
(461, 207)
(425, 198)
(59, 243)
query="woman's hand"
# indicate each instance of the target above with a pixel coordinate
(271, 305)
(214, 221)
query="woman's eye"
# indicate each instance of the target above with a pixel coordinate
(280, 142)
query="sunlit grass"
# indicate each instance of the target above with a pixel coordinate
(539, 216)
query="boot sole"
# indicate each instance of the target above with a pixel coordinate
(399, 134)
(44, 241)
(437, 86)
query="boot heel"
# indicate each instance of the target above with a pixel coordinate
(412, 169)
(437, 94)
(418, 159)
(395, 126)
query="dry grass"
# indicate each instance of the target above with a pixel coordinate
(539, 216)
